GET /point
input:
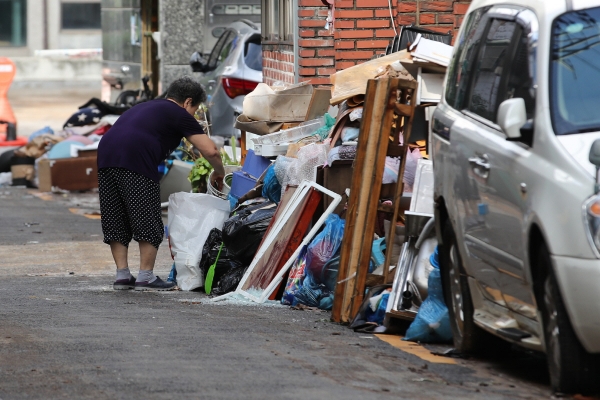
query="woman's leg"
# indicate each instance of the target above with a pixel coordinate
(119, 253)
(147, 256)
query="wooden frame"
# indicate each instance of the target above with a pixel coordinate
(302, 196)
(389, 108)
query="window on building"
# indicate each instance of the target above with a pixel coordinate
(277, 20)
(13, 23)
(80, 15)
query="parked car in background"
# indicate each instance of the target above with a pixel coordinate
(232, 70)
(220, 13)
(515, 149)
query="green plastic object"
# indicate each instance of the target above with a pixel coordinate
(211, 273)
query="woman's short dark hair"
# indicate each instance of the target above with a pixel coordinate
(185, 87)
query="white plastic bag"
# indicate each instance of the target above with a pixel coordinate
(191, 217)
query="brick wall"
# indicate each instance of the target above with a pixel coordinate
(362, 30)
(316, 55)
(278, 63)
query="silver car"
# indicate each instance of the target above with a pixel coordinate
(232, 70)
(516, 186)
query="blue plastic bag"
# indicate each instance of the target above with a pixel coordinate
(324, 246)
(432, 324)
(271, 186)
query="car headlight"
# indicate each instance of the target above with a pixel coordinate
(591, 216)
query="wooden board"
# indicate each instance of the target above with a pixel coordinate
(319, 103)
(286, 242)
(380, 112)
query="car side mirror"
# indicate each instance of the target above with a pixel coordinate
(594, 158)
(511, 117)
(595, 153)
(198, 63)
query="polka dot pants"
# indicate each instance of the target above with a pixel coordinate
(130, 207)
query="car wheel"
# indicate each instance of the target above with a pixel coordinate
(467, 336)
(572, 369)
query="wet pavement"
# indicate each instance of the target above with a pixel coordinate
(64, 333)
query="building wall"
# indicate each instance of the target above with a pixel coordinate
(278, 64)
(181, 24)
(362, 30)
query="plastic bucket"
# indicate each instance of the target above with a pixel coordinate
(226, 187)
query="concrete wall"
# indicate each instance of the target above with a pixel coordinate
(57, 71)
(181, 24)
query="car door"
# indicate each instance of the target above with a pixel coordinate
(494, 196)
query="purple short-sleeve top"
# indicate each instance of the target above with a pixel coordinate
(144, 136)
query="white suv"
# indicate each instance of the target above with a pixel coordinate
(517, 209)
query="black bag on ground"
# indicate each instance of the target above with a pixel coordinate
(243, 232)
(229, 281)
(210, 251)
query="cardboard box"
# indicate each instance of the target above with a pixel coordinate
(266, 104)
(80, 173)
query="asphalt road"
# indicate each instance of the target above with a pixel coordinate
(65, 334)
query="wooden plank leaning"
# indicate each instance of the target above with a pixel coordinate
(364, 194)
(380, 105)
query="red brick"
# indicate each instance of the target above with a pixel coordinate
(325, 71)
(445, 19)
(315, 62)
(315, 42)
(353, 14)
(344, 44)
(373, 23)
(306, 33)
(325, 33)
(342, 24)
(326, 53)
(383, 13)
(317, 81)
(461, 8)
(311, 23)
(371, 44)
(339, 65)
(306, 53)
(406, 19)
(306, 13)
(385, 33)
(352, 34)
(440, 29)
(437, 6)
(344, 4)
(427, 19)
(407, 7)
(323, 12)
(306, 71)
(310, 3)
(374, 3)
(354, 55)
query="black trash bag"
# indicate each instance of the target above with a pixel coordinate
(243, 232)
(229, 281)
(210, 251)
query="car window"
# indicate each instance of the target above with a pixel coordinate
(492, 57)
(575, 72)
(253, 56)
(213, 60)
(460, 68)
(519, 82)
(228, 47)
